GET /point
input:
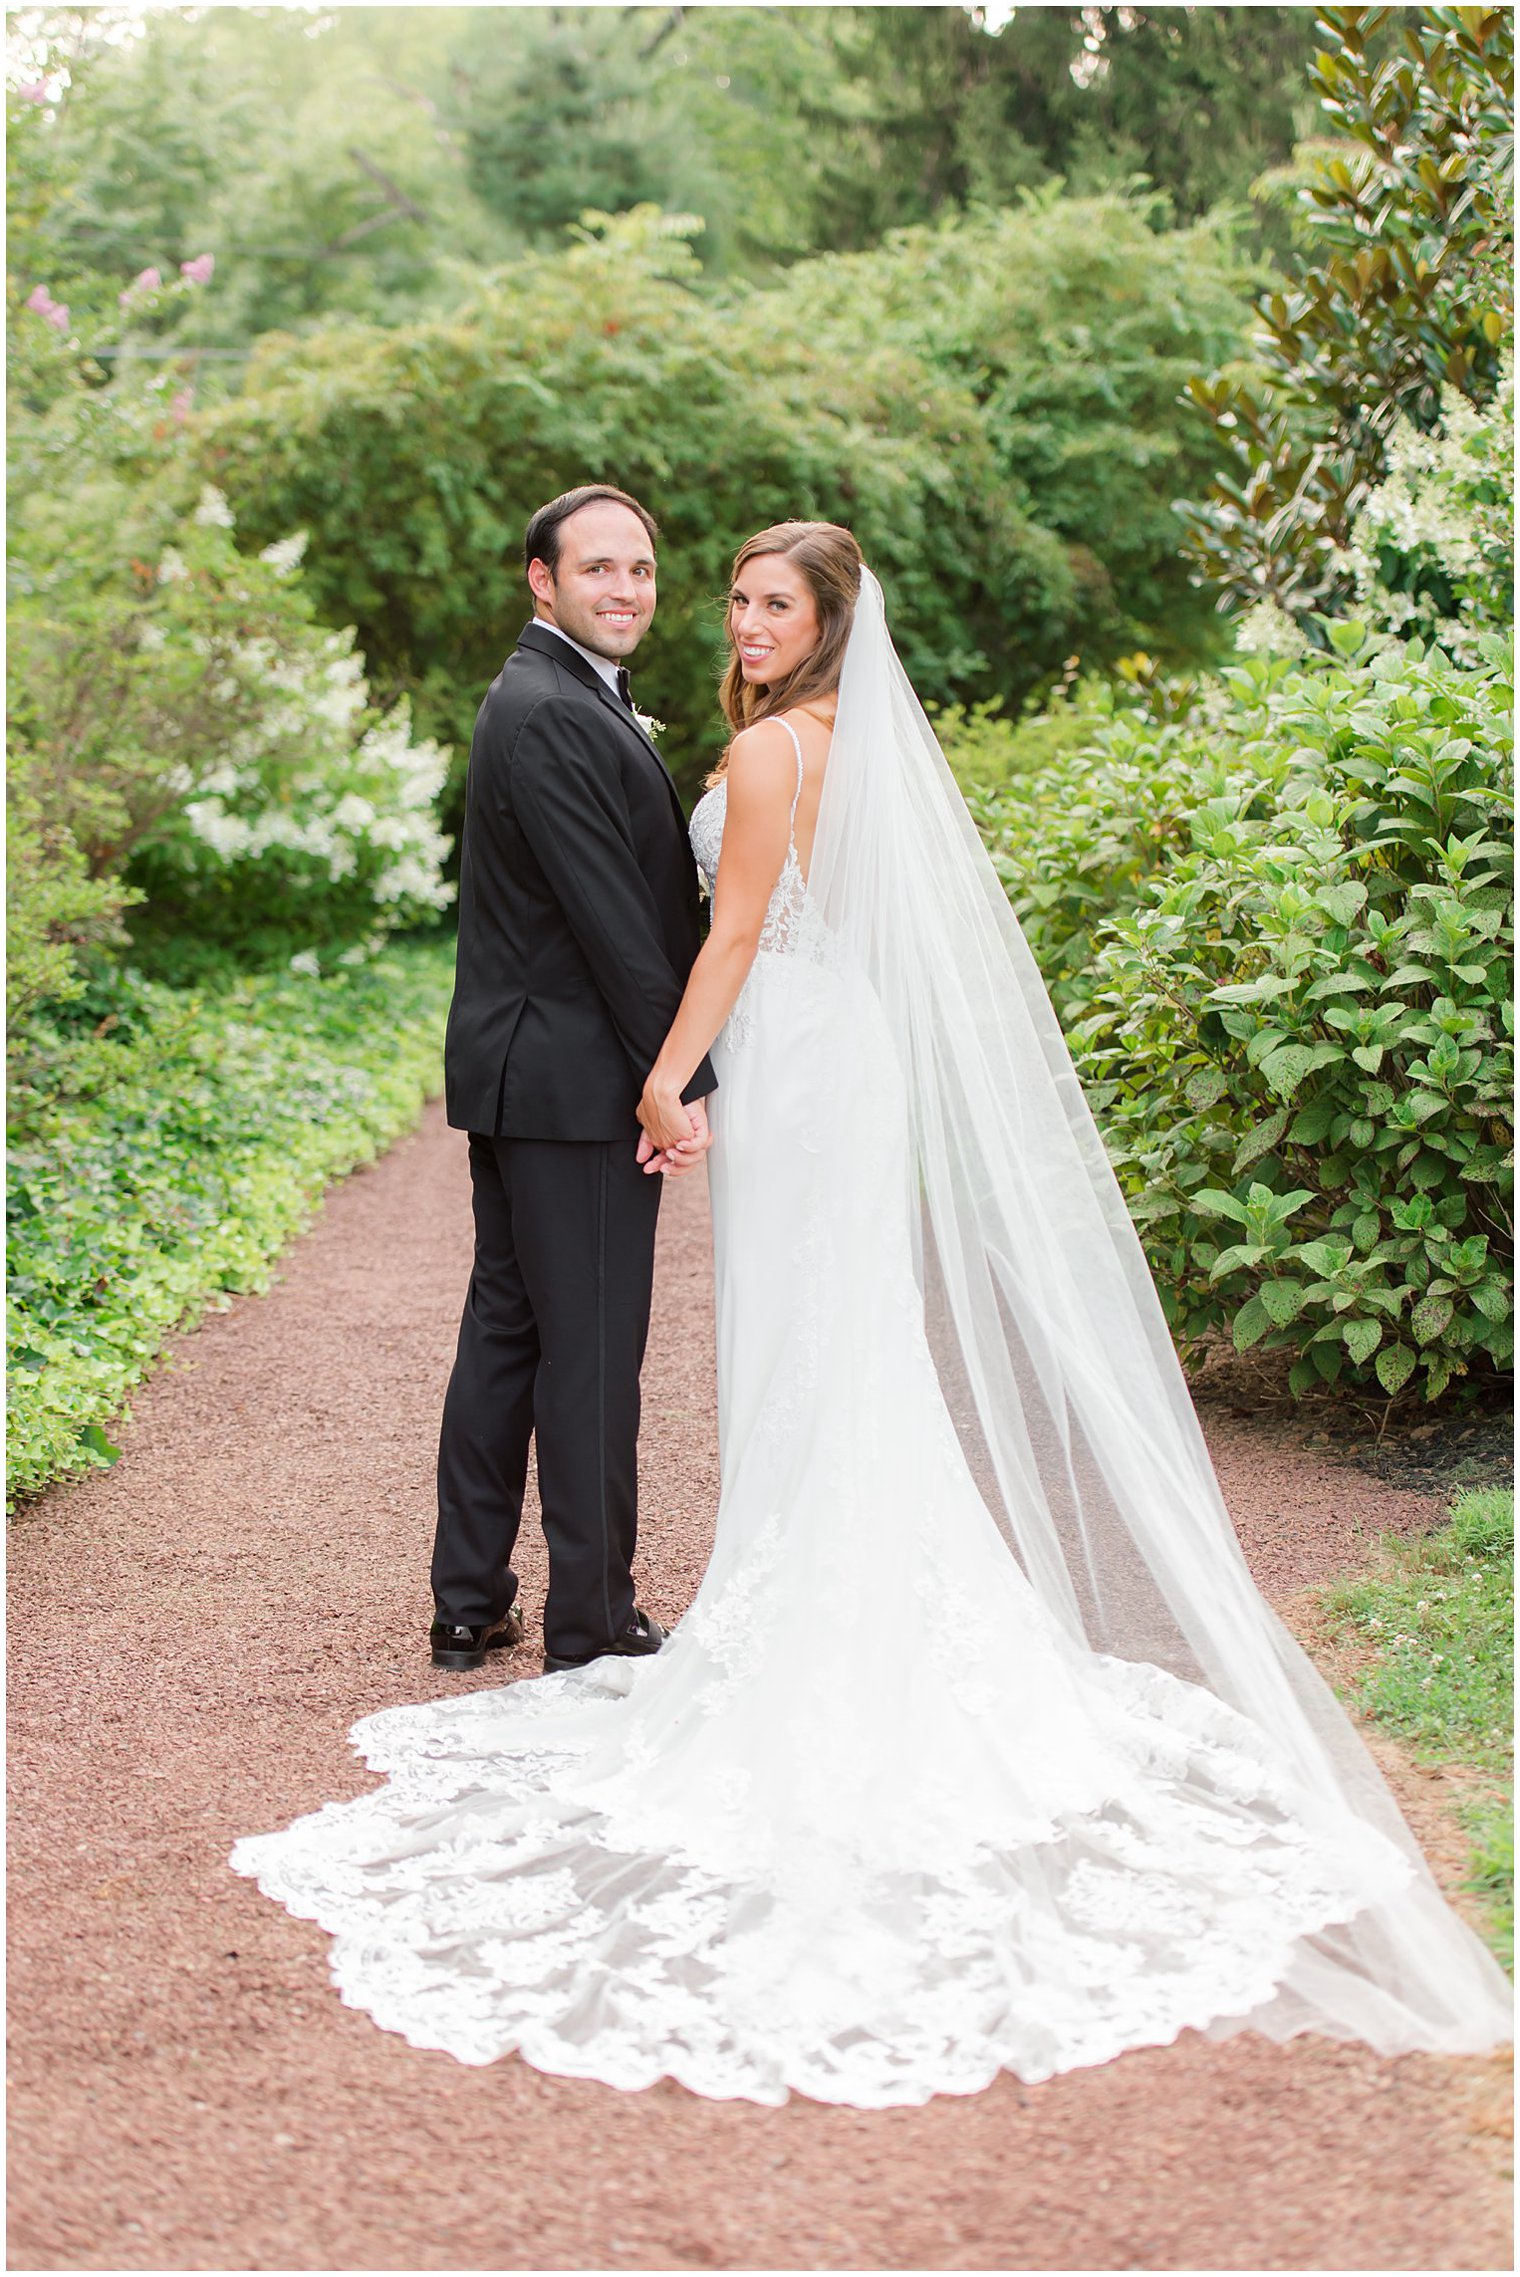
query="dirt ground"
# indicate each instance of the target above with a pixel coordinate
(192, 1634)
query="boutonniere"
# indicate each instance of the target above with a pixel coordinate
(652, 727)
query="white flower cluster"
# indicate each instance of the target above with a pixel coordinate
(359, 793)
(213, 512)
(1442, 503)
(285, 554)
(295, 763)
(1268, 630)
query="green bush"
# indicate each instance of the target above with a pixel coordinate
(1009, 479)
(1439, 1618)
(185, 740)
(1401, 293)
(1080, 806)
(180, 1164)
(1299, 1039)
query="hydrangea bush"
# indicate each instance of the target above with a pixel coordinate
(1294, 1021)
(197, 734)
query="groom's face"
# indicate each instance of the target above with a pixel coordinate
(601, 590)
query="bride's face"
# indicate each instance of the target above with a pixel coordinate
(772, 617)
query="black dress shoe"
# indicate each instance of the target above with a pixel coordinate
(642, 1635)
(456, 1646)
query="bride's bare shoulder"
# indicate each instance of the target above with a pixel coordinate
(761, 758)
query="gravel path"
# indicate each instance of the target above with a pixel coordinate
(192, 1634)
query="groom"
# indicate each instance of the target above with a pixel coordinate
(577, 929)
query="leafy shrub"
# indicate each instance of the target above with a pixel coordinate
(181, 1174)
(1403, 291)
(966, 455)
(186, 740)
(1299, 1038)
(179, 716)
(55, 911)
(1077, 836)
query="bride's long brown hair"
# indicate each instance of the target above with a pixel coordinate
(830, 560)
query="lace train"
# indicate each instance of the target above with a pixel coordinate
(494, 1895)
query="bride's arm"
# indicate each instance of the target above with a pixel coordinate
(762, 782)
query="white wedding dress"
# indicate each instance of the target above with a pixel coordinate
(871, 1825)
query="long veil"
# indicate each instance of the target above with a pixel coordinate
(1053, 1351)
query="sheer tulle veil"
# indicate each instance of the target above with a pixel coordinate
(1054, 1353)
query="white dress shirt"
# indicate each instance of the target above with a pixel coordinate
(603, 666)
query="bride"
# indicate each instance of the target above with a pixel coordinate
(977, 1748)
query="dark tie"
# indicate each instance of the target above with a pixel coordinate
(625, 686)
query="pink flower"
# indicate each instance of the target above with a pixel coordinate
(199, 270)
(54, 312)
(145, 281)
(179, 405)
(35, 91)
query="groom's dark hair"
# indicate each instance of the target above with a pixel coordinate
(541, 538)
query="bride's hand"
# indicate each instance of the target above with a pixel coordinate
(668, 1124)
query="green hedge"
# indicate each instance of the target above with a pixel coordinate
(1279, 935)
(180, 1178)
(991, 405)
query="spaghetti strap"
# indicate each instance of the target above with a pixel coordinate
(797, 747)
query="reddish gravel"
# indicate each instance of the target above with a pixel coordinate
(192, 1634)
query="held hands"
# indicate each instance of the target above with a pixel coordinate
(675, 1137)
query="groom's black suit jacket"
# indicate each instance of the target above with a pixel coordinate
(578, 907)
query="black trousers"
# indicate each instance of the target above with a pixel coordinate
(550, 1346)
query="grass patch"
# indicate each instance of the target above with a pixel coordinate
(180, 1178)
(1438, 1617)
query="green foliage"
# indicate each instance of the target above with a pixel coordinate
(1195, 101)
(1279, 935)
(56, 913)
(1403, 291)
(179, 723)
(1081, 805)
(178, 1169)
(1070, 325)
(1439, 1618)
(359, 161)
(926, 395)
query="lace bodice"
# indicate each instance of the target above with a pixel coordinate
(793, 923)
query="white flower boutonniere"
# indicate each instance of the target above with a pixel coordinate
(652, 727)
